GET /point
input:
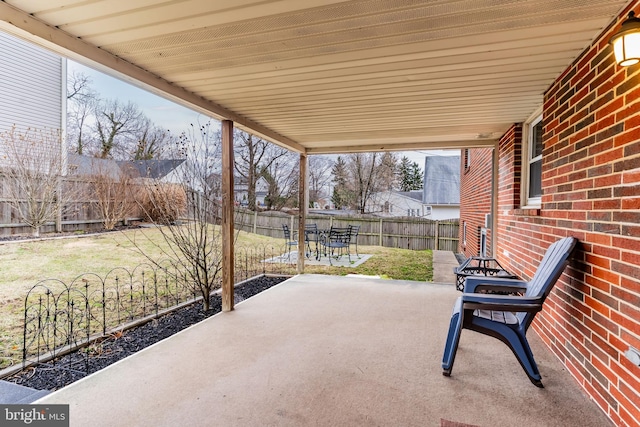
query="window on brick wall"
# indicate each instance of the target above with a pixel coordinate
(532, 147)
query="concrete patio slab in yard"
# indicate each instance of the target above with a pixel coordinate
(330, 351)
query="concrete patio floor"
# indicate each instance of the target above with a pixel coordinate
(329, 351)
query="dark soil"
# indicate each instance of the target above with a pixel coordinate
(77, 365)
(16, 237)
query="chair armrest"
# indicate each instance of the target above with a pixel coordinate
(513, 303)
(474, 284)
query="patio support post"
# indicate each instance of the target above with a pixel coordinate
(227, 215)
(303, 206)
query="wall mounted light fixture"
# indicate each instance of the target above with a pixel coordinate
(626, 42)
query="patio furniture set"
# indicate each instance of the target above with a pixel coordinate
(332, 243)
(494, 302)
(504, 307)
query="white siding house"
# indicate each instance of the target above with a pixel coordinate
(399, 204)
(32, 86)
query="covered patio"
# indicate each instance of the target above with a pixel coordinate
(338, 76)
(327, 350)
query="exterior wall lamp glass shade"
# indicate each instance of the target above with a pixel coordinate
(626, 42)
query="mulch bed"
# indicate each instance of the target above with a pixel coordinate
(45, 236)
(74, 366)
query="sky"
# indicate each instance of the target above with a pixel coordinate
(176, 118)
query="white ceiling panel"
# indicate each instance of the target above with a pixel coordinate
(333, 76)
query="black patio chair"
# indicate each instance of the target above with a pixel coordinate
(336, 243)
(310, 235)
(353, 237)
(289, 241)
(507, 317)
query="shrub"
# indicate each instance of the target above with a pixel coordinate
(163, 203)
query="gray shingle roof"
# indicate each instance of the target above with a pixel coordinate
(416, 195)
(155, 169)
(87, 165)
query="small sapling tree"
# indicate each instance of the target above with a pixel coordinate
(186, 212)
(34, 173)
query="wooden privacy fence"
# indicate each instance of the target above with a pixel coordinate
(406, 233)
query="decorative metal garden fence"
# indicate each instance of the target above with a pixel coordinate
(62, 317)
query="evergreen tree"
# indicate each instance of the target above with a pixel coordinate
(340, 190)
(404, 171)
(416, 181)
(410, 175)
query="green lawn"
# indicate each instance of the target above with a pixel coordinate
(23, 264)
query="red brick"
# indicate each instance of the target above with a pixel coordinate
(631, 176)
(599, 261)
(609, 156)
(606, 275)
(631, 257)
(629, 413)
(633, 203)
(630, 284)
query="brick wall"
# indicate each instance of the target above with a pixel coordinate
(475, 198)
(591, 190)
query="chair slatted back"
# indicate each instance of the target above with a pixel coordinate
(287, 235)
(353, 232)
(549, 271)
(339, 234)
(551, 267)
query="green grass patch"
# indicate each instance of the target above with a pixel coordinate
(23, 264)
(389, 263)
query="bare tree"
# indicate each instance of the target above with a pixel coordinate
(194, 243)
(33, 170)
(319, 176)
(283, 178)
(117, 126)
(78, 86)
(366, 174)
(81, 103)
(152, 141)
(253, 157)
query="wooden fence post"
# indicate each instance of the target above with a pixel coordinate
(437, 244)
(255, 222)
(380, 239)
(291, 226)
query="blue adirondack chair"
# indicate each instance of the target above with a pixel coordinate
(507, 317)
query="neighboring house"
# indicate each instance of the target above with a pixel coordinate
(439, 199)
(32, 96)
(573, 169)
(32, 86)
(441, 188)
(80, 165)
(399, 204)
(241, 190)
(169, 171)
